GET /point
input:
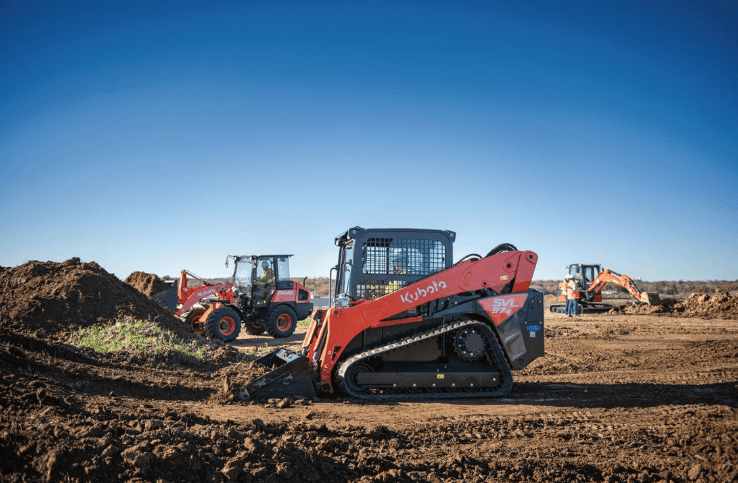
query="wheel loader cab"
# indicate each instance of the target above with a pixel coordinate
(267, 299)
(375, 262)
(259, 276)
(243, 275)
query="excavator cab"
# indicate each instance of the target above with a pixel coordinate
(583, 274)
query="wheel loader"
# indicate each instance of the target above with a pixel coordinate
(591, 279)
(261, 297)
(408, 323)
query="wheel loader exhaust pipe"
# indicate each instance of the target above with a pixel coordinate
(291, 377)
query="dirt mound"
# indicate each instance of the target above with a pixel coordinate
(721, 305)
(147, 283)
(667, 307)
(51, 299)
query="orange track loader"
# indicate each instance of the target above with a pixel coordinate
(407, 323)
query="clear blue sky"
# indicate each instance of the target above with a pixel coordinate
(157, 136)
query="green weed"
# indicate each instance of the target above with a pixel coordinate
(134, 336)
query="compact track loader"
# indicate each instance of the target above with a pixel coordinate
(407, 323)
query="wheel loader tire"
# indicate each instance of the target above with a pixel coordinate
(254, 328)
(224, 324)
(194, 319)
(281, 322)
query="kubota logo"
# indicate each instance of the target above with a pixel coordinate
(208, 291)
(422, 292)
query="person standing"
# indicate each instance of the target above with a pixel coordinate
(572, 297)
(563, 290)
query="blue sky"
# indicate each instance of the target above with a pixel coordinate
(157, 136)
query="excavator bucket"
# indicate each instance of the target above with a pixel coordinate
(168, 298)
(651, 298)
(291, 377)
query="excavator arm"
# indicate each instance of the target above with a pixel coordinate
(625, 281)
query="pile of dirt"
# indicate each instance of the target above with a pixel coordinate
(51, 299)
(721, 305)
(667, 307)
(147, 283)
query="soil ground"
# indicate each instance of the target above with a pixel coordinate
(617, 398)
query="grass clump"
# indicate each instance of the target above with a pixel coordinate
(135, 337)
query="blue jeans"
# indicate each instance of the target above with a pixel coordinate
(572, 307)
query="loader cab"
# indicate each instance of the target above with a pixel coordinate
(258, 276)
(375, 262)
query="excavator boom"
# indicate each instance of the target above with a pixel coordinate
(625, 281)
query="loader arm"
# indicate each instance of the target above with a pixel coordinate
(187, 297)
(332, 330)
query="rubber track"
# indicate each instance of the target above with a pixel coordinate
(504, 367)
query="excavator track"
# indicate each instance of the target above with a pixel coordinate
(495, 351)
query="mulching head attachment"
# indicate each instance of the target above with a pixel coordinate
(291, 377)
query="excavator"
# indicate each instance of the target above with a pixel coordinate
(406, 323)
(591, 279)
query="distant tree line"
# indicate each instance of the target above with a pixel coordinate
(680, 289)
(674, 289)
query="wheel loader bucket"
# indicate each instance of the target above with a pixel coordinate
(651, 298)
(292, 377)
(168, 298)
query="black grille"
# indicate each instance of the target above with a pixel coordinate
(373, 289)
(403, 256)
